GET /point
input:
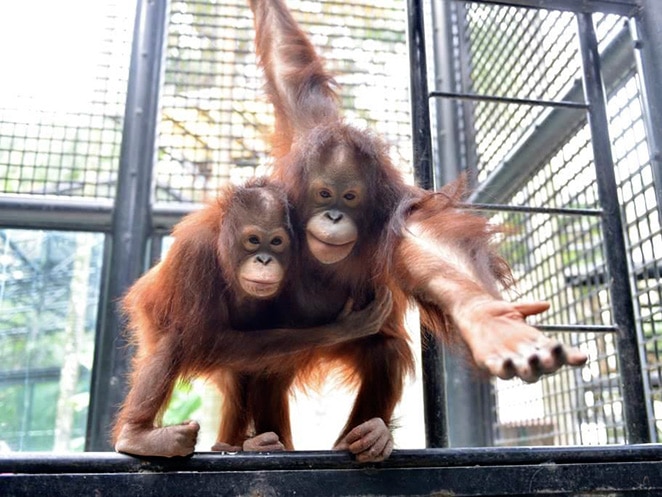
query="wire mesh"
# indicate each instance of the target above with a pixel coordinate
(516, 52)
(523, 53)
(642, 226)
(561, 259)
(62, 96)
(533, 53)
(216, 122)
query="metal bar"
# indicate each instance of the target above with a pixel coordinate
(78, 214)
(131, 218)
(509, 100)
(110, 462)
(447, 163)
(478, 472)
(647, 32)
(464, 83)
(636, 407)
(420, 110)
(620, 7)
(434, 394)
(468, 406)
(54, 212)
(552, 129)
(60, 213)
(608, 480)
(584, 328)
(435, 409)
(468, 403)
(155, 249)
(569, 211)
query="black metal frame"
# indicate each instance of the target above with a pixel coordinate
(620, 7)
(647, 33)
(125, 255)
(633, 381)
(629, 469)
(636, 417)
(608, 471)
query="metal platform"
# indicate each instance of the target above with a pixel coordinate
(611, 470)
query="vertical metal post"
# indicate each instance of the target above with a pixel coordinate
(635, 408)
(447, 167)
(469, 154)
(647, 33)
(126, 251)
(467, 397)
(420, 107)
(432, 357)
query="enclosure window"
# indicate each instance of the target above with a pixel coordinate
(534, 54)
(49, 289)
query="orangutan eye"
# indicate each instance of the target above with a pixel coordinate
(277, 241)
(325, 194)
(349, 196)
(254, 240)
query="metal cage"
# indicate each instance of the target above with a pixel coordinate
(551, 107)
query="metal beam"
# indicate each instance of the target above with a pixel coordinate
(636, 408)
(468, 403)
(79, 214)
(55, 212)
(647, 28)
(125, 253)
(434, 394)
(620, 7)
(632, 470)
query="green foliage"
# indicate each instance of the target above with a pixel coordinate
(183, 404)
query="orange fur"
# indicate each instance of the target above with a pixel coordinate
(190, 316)
(311, 130)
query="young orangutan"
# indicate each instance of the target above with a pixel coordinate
(361, 229)
(208, 309)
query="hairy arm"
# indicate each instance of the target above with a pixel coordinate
(298, 86)
(454, 276)
(267, 348)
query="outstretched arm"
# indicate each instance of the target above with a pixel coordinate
(445, 261)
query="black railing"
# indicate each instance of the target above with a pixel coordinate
(633, 470)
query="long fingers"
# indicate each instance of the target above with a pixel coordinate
(384, 298)
(371, 441)
(530, 362)
(504, 345)
(531, 308)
